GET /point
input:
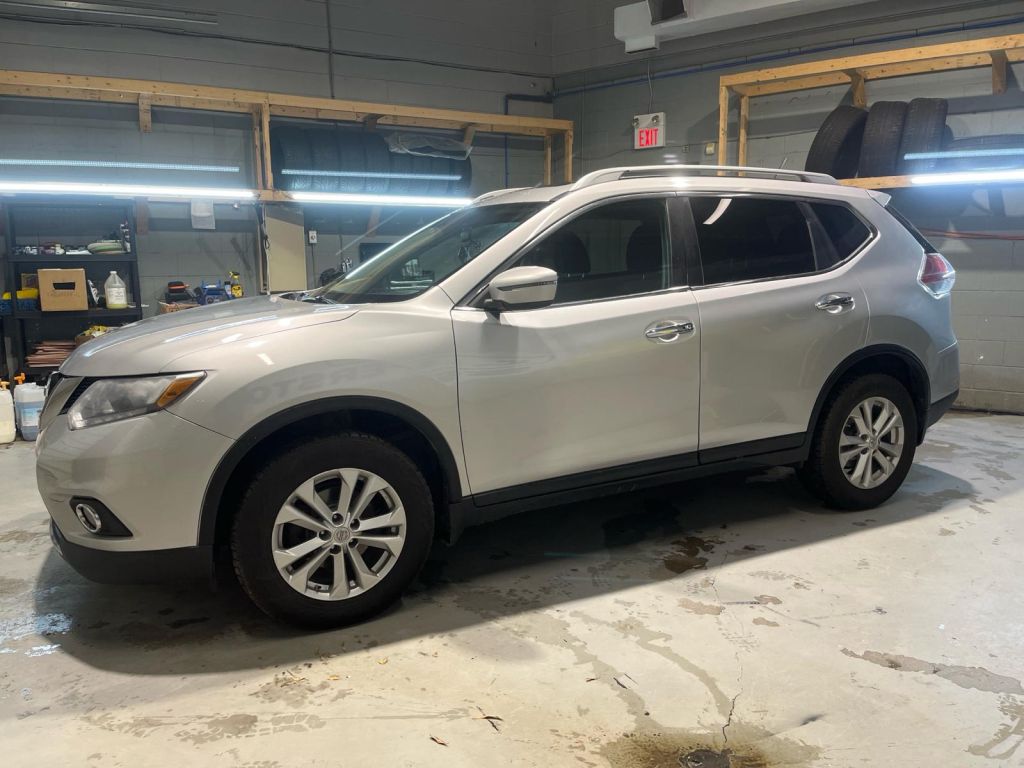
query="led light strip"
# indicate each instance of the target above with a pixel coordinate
(968, 177)
(965, 153)
(373, 175)
(118, 164)
(128, 190)
(341, 198)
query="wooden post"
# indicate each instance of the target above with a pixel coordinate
(257, 149)
(723, 125)
(468, 134)
(145, 113)
(568, 157)
(547, 160)
(268, 170)
(860, 96)
(999, 67)
(744, 129)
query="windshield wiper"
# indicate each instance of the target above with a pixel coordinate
(318, 299)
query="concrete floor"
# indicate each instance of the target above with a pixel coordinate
(730, 614)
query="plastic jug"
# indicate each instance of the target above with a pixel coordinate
(116, 292)
(28, 404)
(7, 431)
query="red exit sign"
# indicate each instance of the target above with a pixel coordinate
(649, 131)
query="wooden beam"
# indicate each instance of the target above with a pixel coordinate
(374, 221)
(880, 59)
(860, 98)
(127, 90)
(145, 113)
(469, 133)
(257, 148)
(370, 122)
(568, 157)
(799, 84)
(268, 168)
(744, 129)
(999, 70)
(723, 125)
(548, 141)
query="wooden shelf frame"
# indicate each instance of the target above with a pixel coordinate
(264, 105)
(856, 71)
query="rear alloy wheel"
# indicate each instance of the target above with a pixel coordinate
(863, 445)
(332, 530)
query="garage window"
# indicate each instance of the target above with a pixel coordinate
(618, 249)
(749, 238)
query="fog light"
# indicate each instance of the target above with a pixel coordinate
(88, 517)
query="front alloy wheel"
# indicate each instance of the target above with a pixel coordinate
(339, 534)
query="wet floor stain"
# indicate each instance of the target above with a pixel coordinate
(690, 554)
(1010, 736)
(761, 621)
(978, 678)
(695, 606)
(22, 537)
(747, 747)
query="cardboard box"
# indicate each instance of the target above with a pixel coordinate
(63, 290)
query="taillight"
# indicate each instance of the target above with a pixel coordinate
(937, 275)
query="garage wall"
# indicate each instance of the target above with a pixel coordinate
(988, 301)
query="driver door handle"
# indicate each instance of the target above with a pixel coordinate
(834, 303)
(668, 330)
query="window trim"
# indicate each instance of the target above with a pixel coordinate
(800, 201)
(477, 293)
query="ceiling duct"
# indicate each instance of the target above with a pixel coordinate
(126, 14)
(664, 10)
(643, 26)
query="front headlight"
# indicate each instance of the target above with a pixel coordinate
(114, 399)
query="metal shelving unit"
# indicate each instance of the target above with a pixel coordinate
(72, 221)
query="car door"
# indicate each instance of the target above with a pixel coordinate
(780, 308)
(608, 375)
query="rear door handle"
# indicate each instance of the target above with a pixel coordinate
(834, 303)
(668, 330)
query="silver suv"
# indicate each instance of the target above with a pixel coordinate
(640, 326)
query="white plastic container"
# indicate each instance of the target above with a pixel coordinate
(7, 430)
(28, 403)
(116, 292)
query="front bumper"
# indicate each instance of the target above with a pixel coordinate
(151, 472)
(162, 565)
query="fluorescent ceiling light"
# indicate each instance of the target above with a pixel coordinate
(373, 175)
(126, 190)
(118, 164)
(341, 198)
(968, 177)
(956, 153)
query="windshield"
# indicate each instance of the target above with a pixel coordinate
(428, 256)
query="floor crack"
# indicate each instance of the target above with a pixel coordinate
(728, 720)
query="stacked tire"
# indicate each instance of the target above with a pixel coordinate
(333, 159)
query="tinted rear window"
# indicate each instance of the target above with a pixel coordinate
(844, 229)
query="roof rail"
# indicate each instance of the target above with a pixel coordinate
(665, 171)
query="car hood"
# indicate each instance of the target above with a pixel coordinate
(150, 345)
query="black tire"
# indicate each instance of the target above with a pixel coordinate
(378, 160)
(290, 145)
(883, 133)
(401, 162)
(464, 170)
(422, 166)
(1009, 142)
(353, 160)
(923, 131)
(439, 166)
(252, 531)
(836, 147)
(822, 473)
(324, 147)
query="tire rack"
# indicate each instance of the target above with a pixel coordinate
(856, 71)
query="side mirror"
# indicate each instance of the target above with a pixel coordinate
(522, 288)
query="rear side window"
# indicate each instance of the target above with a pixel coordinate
(843, 228)
(749, 238)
